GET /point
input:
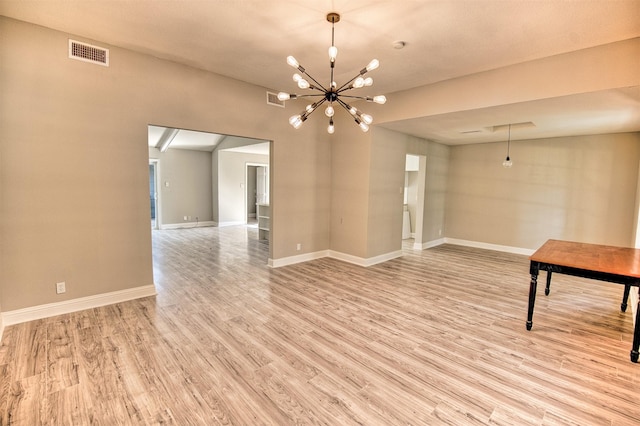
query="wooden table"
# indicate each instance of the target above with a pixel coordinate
(619, 265)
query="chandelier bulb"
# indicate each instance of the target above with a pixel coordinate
(368, 81)
(373, 65)
(358, 83)
(303, 84)
(353, 110)
(297, 120)
(364, 126)
(329, 111)
(380, 99)
(282, 96)
(330, 128)
(366, 118)
(292, 61)
(333, 52)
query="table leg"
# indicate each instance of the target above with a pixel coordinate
(625, 297)
(636, 334)
(532, 297)
(546, 289)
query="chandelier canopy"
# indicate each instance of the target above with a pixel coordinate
(334, 94)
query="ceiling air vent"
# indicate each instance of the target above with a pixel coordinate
(272, 99)
(88, 53)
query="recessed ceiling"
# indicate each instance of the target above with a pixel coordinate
(205, 141)
(249, 40)
(607, 111)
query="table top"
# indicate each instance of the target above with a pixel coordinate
(593, 257)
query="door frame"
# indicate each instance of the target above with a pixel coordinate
(246, 186)
(155, 162)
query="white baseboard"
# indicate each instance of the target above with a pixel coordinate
(232, 223)
(428, 244)
(487, 246)
(183, 225)
(52, 309)
(297, 259)
(361, 261)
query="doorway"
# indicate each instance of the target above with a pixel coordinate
(257, 189)
(153, 193)
(257, 198)
(413, 208)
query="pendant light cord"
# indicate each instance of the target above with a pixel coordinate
(509, 142)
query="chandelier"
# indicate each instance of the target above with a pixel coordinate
(333, 95)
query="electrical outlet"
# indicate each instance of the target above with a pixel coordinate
(61, 287)
(298, 246)
(184, 218)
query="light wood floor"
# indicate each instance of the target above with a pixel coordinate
(434, 337)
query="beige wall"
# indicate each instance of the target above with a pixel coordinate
(188, 173)
(367, 190)
(300, 179)
(386, 193)
(350, 162)
(577, 188)
(74, 163)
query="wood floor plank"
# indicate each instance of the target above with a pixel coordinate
(62, 363)
(434, 337)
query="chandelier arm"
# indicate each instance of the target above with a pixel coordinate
(364, 98)
(320, 86)
(344, 105)
(344, 89)
(305, 96)
(344, 86)
(320, 102)
(306, 113)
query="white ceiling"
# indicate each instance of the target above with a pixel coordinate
(250, 39)
(203, 141)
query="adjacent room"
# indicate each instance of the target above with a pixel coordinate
(206, 179)
(330, 212)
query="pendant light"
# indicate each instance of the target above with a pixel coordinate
(507, 163)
